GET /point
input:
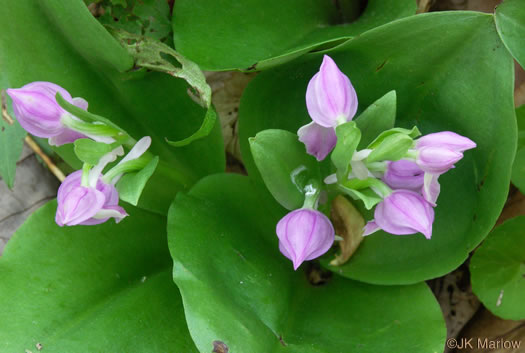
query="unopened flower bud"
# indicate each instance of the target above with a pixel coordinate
(403, 212)
(446, 139)
(330, 96)
(437, 160)
(304, 234)
(37, 111)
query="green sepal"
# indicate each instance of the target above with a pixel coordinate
(360, 184)
(348, 137)
(131, 185)
(378, 117)
(284, 165)
(89, 151)
(367, 195)
(392, 148)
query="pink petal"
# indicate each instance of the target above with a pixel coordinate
(319, 140)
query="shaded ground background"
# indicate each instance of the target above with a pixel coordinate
(465, 316)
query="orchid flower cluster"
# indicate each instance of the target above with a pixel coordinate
(87, 196)
(397, 173)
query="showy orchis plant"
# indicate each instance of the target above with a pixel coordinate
(85, 197)
(397, 173)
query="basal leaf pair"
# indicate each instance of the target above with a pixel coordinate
(407, 56)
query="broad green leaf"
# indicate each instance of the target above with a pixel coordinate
(463, 94)
(61, 42)
(510, 22)
(238, 289)
(498, 270)
(209, 31)
(11, 143)
(285, 166)
(378, 117)
(130, 187)
(348, 137)
(392, 148)
(104, 288)
(89, 151)
(518, 168)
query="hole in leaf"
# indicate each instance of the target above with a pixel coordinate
(174, 62)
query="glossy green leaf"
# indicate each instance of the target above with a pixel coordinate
(130, 187)
(61, 42)
(104, 288)
(463, 93)
(253, 29)
(238, 289)
(378, 117)
(498, 270)
(510, 22)
(285, 166)
(348, 137)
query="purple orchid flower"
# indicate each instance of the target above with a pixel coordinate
(304, 234)
(87, 205)
(88, 198)
(83, 198)
(37, 111)
(331, 100)
(402, 212)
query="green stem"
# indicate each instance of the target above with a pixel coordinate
(126, 167)
(312, 194)
(86, 167)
